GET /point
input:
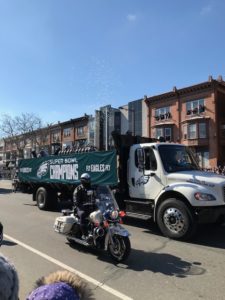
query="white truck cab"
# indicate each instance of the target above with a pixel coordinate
(167, 177)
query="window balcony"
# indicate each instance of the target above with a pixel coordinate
(196, 110)
(165, 116)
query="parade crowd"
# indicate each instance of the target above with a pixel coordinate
(217, 170)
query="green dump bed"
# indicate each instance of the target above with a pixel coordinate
(68, 168)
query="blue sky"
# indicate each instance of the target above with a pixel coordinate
(62, 58)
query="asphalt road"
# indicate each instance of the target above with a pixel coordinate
(158, 268)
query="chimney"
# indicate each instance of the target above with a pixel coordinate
(210, 78)
(220, 78)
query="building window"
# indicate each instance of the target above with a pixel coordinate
(162, 113)
(80, 143)
(165, 132)
(202, 130)
(80, 131)
(195, 107)
(203, 159)
(55, 137)
(185, 136)
(158, 132)
(66, 132)
(194, 131)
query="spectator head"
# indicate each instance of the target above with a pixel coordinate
(60, 285)
(9, 282)
(57, 290)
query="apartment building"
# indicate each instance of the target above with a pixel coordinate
(133, 117)
(107, 119)
(194, 116)
(73, 133)
(63, 135)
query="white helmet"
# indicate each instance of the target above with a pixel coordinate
(85, 178)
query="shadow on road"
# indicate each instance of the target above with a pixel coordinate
(209, 235)
(166, 264)
(148, 225)
(5, 191)
(140, 260)
(84, 249)
(8, 243)
(58, 208)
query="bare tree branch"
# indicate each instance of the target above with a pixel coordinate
(20, 130)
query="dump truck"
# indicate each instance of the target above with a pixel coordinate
(150, 179)
(53, 178)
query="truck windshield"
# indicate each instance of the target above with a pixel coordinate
(177, 158)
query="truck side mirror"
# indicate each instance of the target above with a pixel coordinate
(141, 159)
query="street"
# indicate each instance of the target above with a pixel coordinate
(157, 268)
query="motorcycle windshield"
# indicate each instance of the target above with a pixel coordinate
(105, 199)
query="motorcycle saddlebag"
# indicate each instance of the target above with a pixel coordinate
(64, 224)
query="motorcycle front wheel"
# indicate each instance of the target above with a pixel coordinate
(120, 248)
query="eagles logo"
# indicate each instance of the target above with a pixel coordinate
(43, 169)
(142, 180)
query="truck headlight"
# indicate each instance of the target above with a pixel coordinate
(204, 197)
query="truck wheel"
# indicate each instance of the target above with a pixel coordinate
(176, 220)
(42, 198)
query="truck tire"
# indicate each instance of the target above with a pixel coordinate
(43, 199)
(176, 220)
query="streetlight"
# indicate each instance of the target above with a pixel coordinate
(133, 116)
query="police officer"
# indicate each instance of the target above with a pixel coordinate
(83, 201)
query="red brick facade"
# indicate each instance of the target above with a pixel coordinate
(72, 133)
(194, 116)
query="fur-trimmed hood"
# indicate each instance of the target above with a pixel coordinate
(80, 287)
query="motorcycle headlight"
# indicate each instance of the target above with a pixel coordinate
(204, 197)
(114, 214)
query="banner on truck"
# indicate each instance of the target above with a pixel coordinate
(68, 168)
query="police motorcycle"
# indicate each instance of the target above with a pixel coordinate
(104, 225)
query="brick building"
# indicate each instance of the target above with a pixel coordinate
(72, 133)
(194, 116)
